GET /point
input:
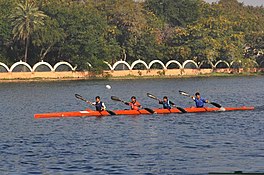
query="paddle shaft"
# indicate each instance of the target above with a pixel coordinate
(212, 103)
(155, 98)
(127, 103)
(173, 104)
(87, 101)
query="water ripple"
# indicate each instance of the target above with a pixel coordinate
(150, 144)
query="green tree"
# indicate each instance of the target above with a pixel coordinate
(26, 19)
(6, 7)
(93, 31)
(176, 13)
(46, 38)
(87, 38)
(135, 28)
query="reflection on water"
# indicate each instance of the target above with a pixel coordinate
(151, 144)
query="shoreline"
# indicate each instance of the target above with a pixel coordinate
(127, 77)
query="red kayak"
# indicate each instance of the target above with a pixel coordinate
(91, 113)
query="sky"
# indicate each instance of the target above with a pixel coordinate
(246, 2)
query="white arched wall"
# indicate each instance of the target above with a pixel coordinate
(121, 62)
(63, 63)
(157, 61)
(20, 63)
(233, 62)
(260, 64)
(222, 61)
(241, 63)
(204, 62)
(5, 66)
(42, 63)
(139, 62)
(190, 61)
(256, 63)
(173, 61)
(109, 65)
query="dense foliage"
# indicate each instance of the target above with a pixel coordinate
(93, 31)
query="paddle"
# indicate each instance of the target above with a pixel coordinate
(83, 99)
(173, 104)
(127, 103)
(188, 95)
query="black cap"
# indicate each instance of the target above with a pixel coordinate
(133, 97)
(165, 97)
(197, 93)
(97, 97)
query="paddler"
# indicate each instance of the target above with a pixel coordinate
(99, 106)
(199, 101)
(166, 103)
(134, 104)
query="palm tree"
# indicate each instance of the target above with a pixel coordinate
(25, 20)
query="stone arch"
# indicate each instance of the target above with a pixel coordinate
(139, 62)
(63, 63)
(173, 62)
(222, 62)
(42, 63)
(192, 63)
(261, 64)
(256, 63)
(235, 64)
(4, 67)
(109, 65)
(157, 61)
(121, 62)
(89, 64)
(206, 64)
(20, 63)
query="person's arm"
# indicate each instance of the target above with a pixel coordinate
(160, 102)
(138, 105)
(94, 103)
(193, 98)
(173, 104)
(205, 101)
(103, 107)
(127, 103)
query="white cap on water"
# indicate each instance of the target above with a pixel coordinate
(108, 86)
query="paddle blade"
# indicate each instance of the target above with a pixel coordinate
(111, 112)
(152, 96)
(184, 93)
(80, 97)
(216, 104)
(181, 109)
(150, 110)
(115, 98)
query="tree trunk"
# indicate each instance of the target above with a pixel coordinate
(45, 53)
(26, 50)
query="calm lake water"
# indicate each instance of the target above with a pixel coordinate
(146, 144)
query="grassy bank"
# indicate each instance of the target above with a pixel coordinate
(187, 76)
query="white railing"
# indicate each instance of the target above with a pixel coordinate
(25, 67)
(46, 67)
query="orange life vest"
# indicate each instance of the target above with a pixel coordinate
(134, 106)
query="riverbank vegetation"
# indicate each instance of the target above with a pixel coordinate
(93, 31)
